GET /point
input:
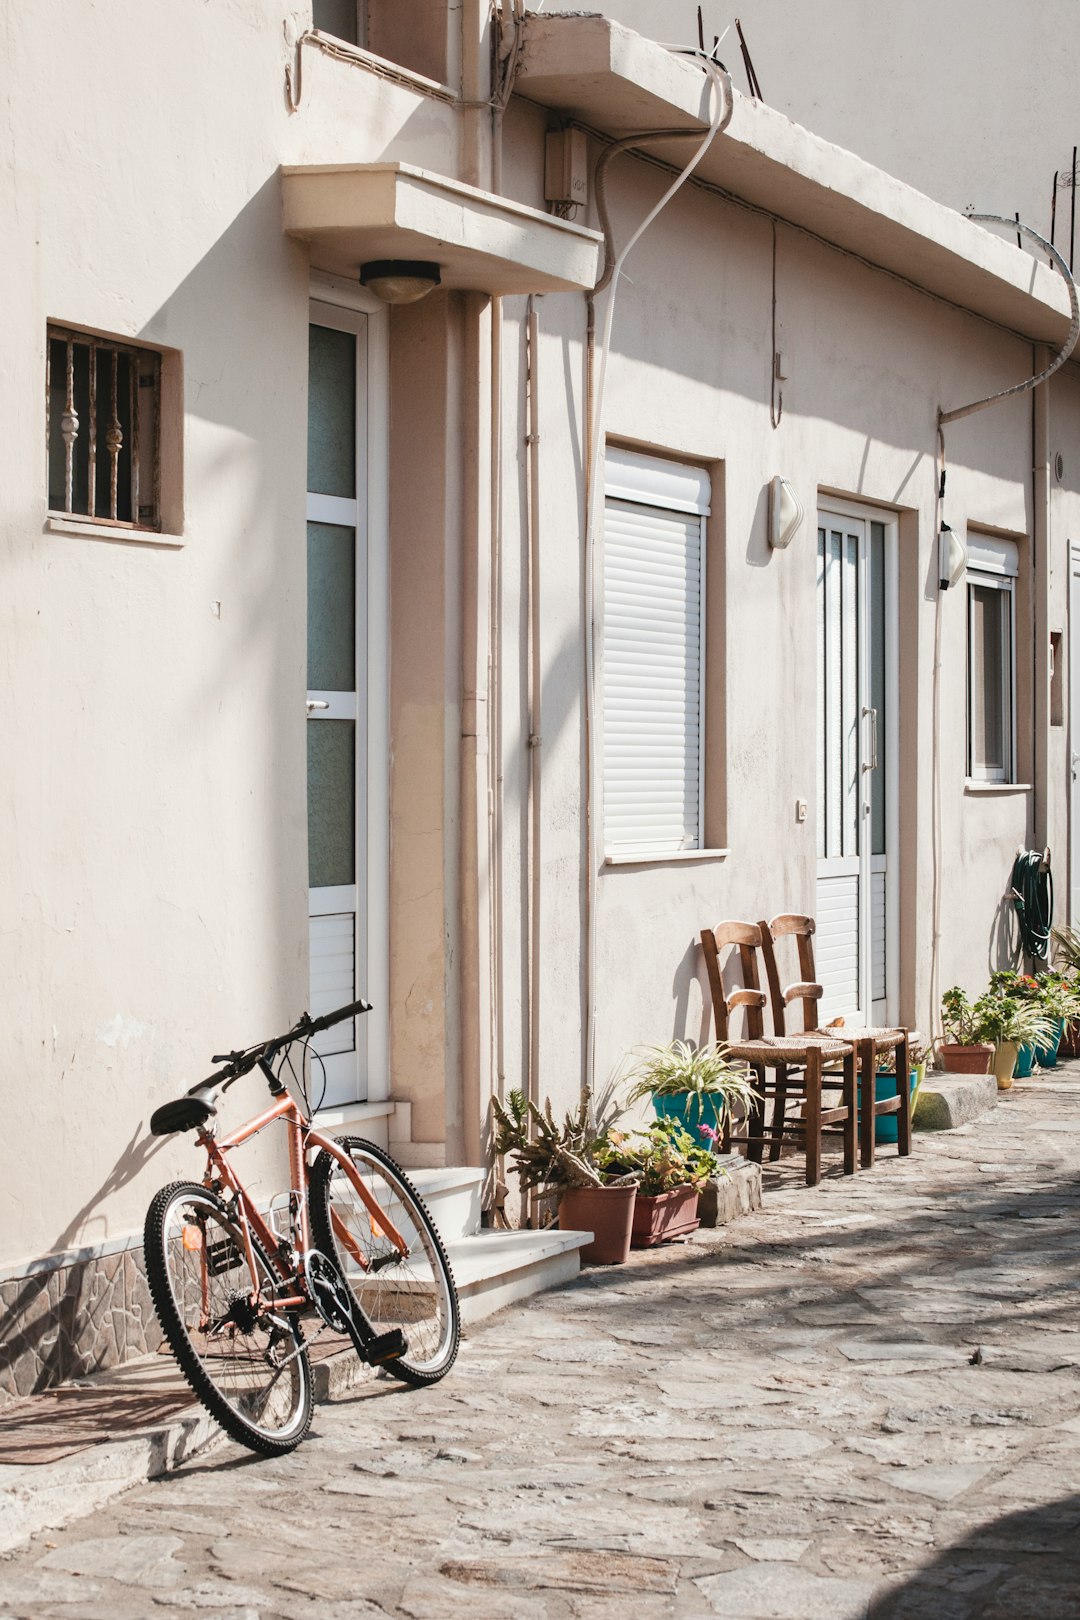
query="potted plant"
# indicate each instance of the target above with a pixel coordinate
(671, 1168)
(696, 1085)
(887, 1126)
(963, 1048)
(1067, 961)
(565, 1158)
(1060, 1002)
(1011, 1022)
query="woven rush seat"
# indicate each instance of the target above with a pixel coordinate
(792, 1047)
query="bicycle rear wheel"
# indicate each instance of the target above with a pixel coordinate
(246, 1361)
(413, 1291)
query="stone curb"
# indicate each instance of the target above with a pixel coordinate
(949, 1100)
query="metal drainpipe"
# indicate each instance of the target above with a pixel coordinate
(1040, 433)
(535, 740)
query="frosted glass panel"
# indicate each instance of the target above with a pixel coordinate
(331, 412)
(878, 777)
(331, 551)
(337, 17)
(331, 802)
(989, 609)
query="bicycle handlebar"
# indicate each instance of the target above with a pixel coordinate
(241, 1063)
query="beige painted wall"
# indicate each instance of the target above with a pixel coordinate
(154, 898)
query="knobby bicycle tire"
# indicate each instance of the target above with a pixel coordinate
(414, 1292)
(250, 1370)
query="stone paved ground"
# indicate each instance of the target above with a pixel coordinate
(864, 1401)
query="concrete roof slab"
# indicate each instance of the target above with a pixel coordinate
(351, 213)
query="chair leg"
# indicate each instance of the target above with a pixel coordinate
(851, 1095)
(779, 1107)
(868, 1076)
(903, 1087)
(812, 1117)
(755, 1119)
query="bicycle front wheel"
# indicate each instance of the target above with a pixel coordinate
(245, 1359)
(414, 1290)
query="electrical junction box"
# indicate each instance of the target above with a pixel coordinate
(566, 173)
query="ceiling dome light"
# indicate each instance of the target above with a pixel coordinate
(400, 281)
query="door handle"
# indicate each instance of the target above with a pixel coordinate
(316, 703)
(872, 763)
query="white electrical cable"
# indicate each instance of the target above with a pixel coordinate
(724, 97)
(1074, 325)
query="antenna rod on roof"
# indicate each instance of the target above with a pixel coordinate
(1072, 225)
(1053, 207)
(700, 32)
(751, 76)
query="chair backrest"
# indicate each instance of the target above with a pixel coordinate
(805, 988)
(721, 945)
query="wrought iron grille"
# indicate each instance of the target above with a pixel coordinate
(103, 402)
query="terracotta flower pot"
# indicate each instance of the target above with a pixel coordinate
(965, 1059)
(659, 1216)
(1070, 1041)
(606, 1212)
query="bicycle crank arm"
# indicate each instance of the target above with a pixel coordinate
(340, 1311)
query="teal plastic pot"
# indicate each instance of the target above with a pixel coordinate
(887, 1126)
(691, 1111)
(1025, 1062)
(1046, 1056)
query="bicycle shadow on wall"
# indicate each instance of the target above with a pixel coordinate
(48, 1321)
(1026, 1563)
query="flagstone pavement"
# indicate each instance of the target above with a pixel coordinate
(863, 1401)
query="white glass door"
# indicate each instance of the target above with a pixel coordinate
(337, 750)
(856, 913)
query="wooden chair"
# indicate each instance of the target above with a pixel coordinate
(870, 1044)
(788, 1066)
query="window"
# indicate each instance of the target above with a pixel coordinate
(103, 429)
(653, 654)
(342, 18)
(991, 683)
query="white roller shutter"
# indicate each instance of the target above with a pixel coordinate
(653, 654)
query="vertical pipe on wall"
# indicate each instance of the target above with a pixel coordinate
(535, 699)
(1040, 607)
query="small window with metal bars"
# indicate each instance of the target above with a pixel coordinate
(103, 429)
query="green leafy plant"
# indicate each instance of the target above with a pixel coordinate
(1067, 950)
(961, 1022)
(547, 1154)
(701, 1071)
(1058, 996)
(1010, 1018)
(662, 1158)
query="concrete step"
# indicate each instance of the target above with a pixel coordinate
(452, 1194)
(494, 1269)
(948, 1100)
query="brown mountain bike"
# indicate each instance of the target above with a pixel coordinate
(351, 1242)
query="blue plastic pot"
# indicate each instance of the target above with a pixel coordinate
(691, 1111)
(1046, 1056)
(887, 1126)
(1025, 1062)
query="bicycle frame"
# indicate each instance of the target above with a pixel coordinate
(302, 1140)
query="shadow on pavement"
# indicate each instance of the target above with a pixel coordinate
(1025, 1566)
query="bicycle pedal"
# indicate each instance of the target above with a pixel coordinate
(386, 1347)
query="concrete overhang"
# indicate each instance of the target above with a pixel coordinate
(353, 212)
(603, 75)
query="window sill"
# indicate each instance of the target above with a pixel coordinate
(977, 788)
(111, 531)
(356, 1113)
(652, 859)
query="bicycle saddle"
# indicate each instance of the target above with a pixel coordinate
(184, 1114)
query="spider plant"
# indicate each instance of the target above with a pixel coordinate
(698, 1072)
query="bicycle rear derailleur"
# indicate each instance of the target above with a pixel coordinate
(340, 1311)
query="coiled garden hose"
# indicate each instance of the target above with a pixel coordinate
(1033, 897)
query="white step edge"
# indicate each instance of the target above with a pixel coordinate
(495, 1269)
(444, 1178)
